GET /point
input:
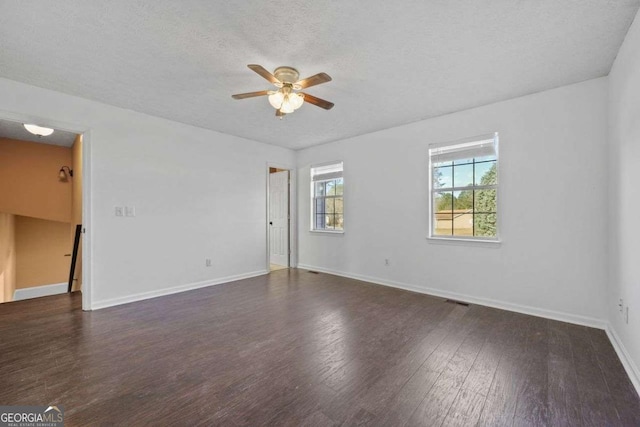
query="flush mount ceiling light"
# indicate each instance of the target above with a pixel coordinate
(38, 130)
(287, 99)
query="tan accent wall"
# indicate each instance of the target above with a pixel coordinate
(76, 206)
(29, 184)
(41, 246)
(7, 257)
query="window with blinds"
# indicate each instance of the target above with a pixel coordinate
(327, 190)
(464, 189)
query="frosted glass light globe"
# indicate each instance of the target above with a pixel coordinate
(38, 130)
(276, 99)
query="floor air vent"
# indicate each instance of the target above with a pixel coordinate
(312, 272)
(452, 301)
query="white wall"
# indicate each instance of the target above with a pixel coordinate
(624, 136)
(553, 174)
(198, 194)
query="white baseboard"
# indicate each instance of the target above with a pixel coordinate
(503, 305)
(623, 355)
(40, 291)
(96, 305)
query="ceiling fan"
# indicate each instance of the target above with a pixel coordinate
(287, 98)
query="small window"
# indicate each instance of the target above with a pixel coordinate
(327, 192)
(464, 189)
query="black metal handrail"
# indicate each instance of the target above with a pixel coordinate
(74, 258)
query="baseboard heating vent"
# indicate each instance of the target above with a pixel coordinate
(453, 301)
(312, 272)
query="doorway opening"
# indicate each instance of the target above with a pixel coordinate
(42, 205)
(279, 219)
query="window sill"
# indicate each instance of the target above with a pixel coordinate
(338, 232)
(464, 242)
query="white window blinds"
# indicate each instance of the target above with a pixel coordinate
(324, 172)
(485, 146)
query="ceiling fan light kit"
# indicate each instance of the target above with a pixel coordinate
(287, 99)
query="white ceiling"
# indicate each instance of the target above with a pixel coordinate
(14, 130)
(391, 62)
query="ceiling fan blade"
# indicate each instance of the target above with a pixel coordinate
(250, 94)
(314, 80)
(317, 101)
(264, 73)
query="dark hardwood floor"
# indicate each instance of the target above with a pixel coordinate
(296, 348)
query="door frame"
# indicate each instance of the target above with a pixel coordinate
(293, 247)
(87, 245)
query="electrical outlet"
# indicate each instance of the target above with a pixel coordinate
(620, 305)
(129, 211)
(207, 262)
(387, 262)
(119, 211)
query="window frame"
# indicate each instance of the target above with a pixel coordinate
(312, 227)
(499, 211)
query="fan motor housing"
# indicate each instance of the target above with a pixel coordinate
(286, 74)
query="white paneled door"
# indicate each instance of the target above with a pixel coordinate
(279, 218)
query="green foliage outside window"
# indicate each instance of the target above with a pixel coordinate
(485, 224)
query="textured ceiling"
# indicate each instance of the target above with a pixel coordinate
(391, 62)
(15, 130)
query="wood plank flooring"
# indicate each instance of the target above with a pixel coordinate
(300, 349)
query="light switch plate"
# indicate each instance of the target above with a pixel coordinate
(129, 211)
(119, 211)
